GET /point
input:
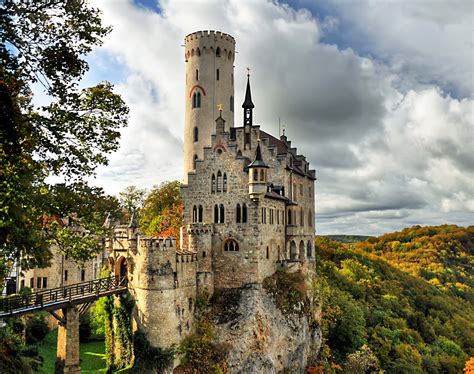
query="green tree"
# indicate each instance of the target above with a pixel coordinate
(43, 44)
(131, 199)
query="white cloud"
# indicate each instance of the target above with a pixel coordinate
(390, 149)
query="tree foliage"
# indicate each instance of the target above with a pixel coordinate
(42, 46)
(391, 307)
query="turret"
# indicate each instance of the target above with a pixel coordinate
(258, 175)
(209, 57)
(248, 115)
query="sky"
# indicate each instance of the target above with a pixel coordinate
(378, 95)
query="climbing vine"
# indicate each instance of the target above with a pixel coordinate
(148, 358)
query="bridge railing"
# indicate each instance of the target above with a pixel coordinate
(72, 292)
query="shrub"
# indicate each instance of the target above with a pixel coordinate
(148, 358)
(36, 330)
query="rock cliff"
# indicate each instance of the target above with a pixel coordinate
(270, 328)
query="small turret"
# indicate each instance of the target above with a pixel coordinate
(257, 175)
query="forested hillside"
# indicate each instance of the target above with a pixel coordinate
(402, 302)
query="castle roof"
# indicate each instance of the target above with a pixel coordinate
(248, 96)
(258, 161)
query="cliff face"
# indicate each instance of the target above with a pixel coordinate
(270, 328)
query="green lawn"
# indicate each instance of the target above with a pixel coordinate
(92, 355)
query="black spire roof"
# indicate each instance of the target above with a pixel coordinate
(248, 96)
(258, 160)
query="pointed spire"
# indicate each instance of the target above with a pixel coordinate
(258, 160)
(133, 222)
(248, 104)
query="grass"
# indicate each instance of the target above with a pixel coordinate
(92, 355)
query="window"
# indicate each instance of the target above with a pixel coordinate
(216, 214)
(231, 246)
(289, 217)
(197, 74)
(83, 275)
(45, 282)
(244, 213)
(22, 284)
(221, 213)
(195, 158)
(255, 174)
(231, 103)
(219, 176)
(65, 275)
(278, 217)
(264, 215)
(218, 52)
(195, 134)
(200, 211)
(217, 74)
(203, 254)
(194, 100)
(32, 282)
(310, 219)
(238, 214)
(302, 217)
(262, 175)
(294, 192)
(194, 213)
(198, 101)
(38, 282)
(268, 253)
(271, 216)
(224, 183)
(213, 184)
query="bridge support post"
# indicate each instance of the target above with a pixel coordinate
(67, 356)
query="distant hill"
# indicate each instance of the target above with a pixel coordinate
(346, 238)
(406, 296)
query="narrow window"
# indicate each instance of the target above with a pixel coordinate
(244, 213)
(213, 184)
(221, 213)
(83, 275)
(194, 100)
(231, 103)
(217, 74)
(216, 214)
(238, 214)
(200, 213)
(262, 175)
(65, 275)
(278, 217)
(194, 161)
(32, 282)
(22, 284)
(289, 216)
(197, 74)
(302, 217)
(255, 174)
(219, 177)
(195, 134)
(224, 183)
(198, 100)
(310, 219)
(218, 52)
(203, 254)
(194, 213)
(38, 282)
(268, 254)
(45, 282)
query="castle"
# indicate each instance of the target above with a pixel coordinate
(248, 203)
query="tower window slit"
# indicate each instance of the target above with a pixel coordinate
(217, 74)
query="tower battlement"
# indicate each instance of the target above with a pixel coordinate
(209, 34)
(161, 243)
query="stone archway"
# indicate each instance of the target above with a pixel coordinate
(301, 251)
(121, 268)
(293, 251)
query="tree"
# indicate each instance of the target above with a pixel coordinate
(43, 44)
(131, 199)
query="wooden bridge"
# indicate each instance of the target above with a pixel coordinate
(70, 301)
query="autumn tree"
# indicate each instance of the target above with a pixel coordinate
(42, 47)
(131, 199)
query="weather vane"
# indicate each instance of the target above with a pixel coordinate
(248, 71)
(220, 107)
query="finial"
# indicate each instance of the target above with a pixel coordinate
(220, 107)
(283, 129)
(248, 71)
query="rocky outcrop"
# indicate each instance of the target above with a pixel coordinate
(268, 329)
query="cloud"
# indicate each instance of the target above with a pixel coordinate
(391, 148)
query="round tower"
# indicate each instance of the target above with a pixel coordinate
(209, 57)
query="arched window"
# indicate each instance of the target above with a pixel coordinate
(268, 253)
(231, 103)
(238, 214)
(309, 249)
(195, 134)
(200, 211)
(217, 74)
(231, 246)
(194, 100)
(194, 213)
(198, 52)
(216, 214)
(213, 184)
(197, 74)
(289, 217)
(221, 213)
(192, 52)
(198, 100)
(194, 161)
(255, 174)
(219, 177)
(218, 52)
(230, 55)
(244, 213)
(310, 218)
(224, 183)
(262, 175)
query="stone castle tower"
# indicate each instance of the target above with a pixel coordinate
(209, 57)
